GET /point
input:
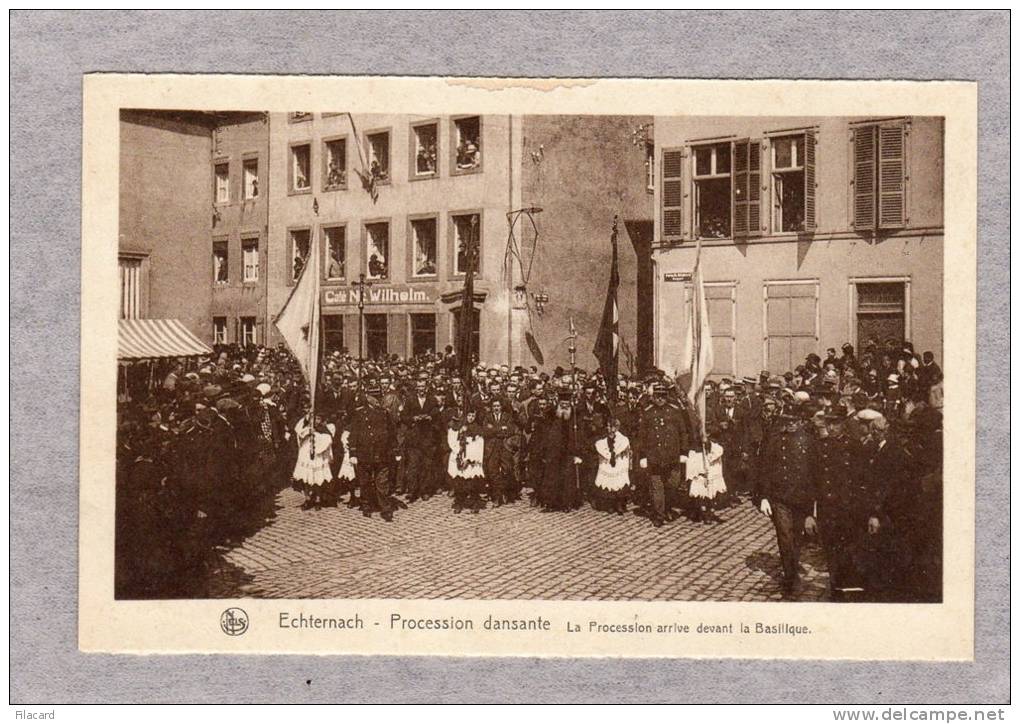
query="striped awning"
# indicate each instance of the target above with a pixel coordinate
(152, 338)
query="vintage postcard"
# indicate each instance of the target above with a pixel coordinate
(528, 367)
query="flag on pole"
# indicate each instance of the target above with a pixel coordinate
(465, 325)
(298, 321)
(607, 345)
(699, 335)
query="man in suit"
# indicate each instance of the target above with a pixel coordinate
(725, 425)
(502, 440)
(420, 416)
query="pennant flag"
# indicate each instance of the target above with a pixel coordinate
(298, 321)
(699, 336)
(465, 327)
(607, 345)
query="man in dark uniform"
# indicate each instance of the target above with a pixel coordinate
(373, 447)
(786, 487)
(844, 501)
(420, 416)
(662, 446)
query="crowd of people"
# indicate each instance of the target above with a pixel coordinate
(847, 448)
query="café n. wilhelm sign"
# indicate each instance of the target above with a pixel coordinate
(388, 294)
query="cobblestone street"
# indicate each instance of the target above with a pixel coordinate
(512, 552)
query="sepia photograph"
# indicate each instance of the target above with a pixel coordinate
(538, 356)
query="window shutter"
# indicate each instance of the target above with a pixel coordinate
(672, 194)
(864, 143)
(740, 190)
(891, 173)
(810, 223)
(746, 188)
(754, 188)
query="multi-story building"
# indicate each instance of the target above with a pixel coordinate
(193, 221)
(398, 198)
(813, 232)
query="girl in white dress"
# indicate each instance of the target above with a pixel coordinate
(612, 481)
(464, 467)
(705, 482)
(315, 454)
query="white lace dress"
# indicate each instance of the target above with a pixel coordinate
(706, 484)
(313, 469)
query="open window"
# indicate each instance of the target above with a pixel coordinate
(221, 262)
(713, 191)
(301, 167)
(377, 250)
(467, 144)
(425, 150)
(336, 252)
(335, 160)
(250, 185)
(300, 244)
(379, 156)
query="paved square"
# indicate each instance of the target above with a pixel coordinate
(512, 552)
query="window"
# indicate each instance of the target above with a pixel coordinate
(879, 176)
(467, 144)
(130, 287)
(219, 325)
(300, 243)
(376, 344)
(423, 334)
(298, 116)
(248, 335)
(423, 246)
(336, 252)
(336, 164)
(250, 258)
(222, 183)
(333, 332)
(721, 306)
(377, 250)
(881, 312)
(425, 149)
(301, 167)
(466, 232)
(221, 266)
(251, 178)
(379, 156)
(791, 323)
(475, 331)
(712, 191)
(793, 183)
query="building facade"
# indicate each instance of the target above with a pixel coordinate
(193, 221)
(813, 232)
(398, 198)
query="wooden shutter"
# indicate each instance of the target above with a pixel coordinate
(746, 188)
(891, 176)
(864, 192)
(810, 222)
(754, 188)
(741, 174)
(672, 194)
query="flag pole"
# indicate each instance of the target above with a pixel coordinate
(701, 397)
(313, 338)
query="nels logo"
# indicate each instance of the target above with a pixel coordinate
(234, 621)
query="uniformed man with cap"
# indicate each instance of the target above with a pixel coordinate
(662, 444)
(786, 490)
(844, 501)
(373, 452)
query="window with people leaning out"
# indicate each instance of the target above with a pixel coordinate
(300, 243)
(336, 164)
(423, 239)
(251, 179)
(336, 252)
(379, 156)
(426, 141)
(467, 144)
(467, 231)
(221, 265)
(377, 252)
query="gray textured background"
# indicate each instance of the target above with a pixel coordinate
(50, 51)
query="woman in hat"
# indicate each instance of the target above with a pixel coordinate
(464, 467)
(611, 490)
(315, 454)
